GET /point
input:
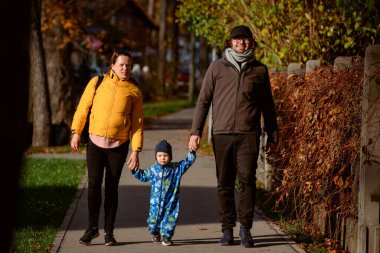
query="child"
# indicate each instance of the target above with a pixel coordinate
(165, 177)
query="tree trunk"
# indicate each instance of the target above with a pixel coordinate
(150, 9)
(59, 76)
(172, 46)
(59, 80)
(40, 103)
(203, 62)
(162, 48)
(192, 70)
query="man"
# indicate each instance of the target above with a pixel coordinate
(239, 89)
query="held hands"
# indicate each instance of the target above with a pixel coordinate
(75, 141)
(270, 148)
(133, 161)
(194, 142)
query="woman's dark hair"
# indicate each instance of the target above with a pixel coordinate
(119, 52)
(228, 44)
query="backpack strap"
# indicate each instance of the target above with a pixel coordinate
(85, 135)
(100, 80)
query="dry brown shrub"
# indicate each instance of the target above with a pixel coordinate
(319, 119)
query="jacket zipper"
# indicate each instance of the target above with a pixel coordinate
(111, 106)
(236, 98)
(162, 181)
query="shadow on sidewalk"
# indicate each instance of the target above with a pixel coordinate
(198, 205)
(259, 243)
(272, 240)
(269, 240)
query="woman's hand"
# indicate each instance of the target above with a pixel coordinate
(75, 141)
(133, 161)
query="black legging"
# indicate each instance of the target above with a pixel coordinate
(236, 157)
(112, 160)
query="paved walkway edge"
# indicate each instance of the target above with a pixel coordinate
(69, 216)
(279, 231)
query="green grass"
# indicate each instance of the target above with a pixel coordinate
(155, 109)
(47, 188)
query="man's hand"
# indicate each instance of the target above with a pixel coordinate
(194, 142)
(270, 148)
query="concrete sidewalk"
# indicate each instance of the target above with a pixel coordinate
(198, 229)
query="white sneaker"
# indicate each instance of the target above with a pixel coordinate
(167, 242)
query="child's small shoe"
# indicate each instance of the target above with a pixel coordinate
(167, 241)
(156, 238)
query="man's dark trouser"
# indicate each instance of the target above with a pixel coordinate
(112, 160)
(236, 156)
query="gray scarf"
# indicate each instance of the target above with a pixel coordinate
(236, 58)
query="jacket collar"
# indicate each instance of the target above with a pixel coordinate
(250, 62)
(115, 78)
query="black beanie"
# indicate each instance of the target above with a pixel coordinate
(164, 146)
(241, 31)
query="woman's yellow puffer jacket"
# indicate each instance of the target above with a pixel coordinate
(117, 110)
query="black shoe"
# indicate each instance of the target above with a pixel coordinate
(245, 238)
(156, 238)
(167, 241)
(228, 238)
(89, 234)
(109, 240)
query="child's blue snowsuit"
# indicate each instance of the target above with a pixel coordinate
(164, 195)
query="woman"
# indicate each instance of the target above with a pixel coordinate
(116, 120)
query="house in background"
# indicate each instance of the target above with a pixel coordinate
(125, 26)
(137, 31)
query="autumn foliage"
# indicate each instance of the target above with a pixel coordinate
(317, 160)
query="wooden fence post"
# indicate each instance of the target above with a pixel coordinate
(312, 65)
(369, 171)
(294, 68)
(343, 62)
